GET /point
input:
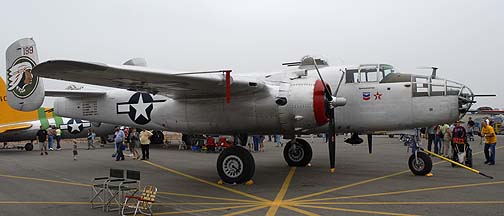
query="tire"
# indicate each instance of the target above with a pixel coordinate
(28, 147)
(424, 165)
(298, 155)
(235, 165)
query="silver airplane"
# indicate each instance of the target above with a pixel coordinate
(308, 97)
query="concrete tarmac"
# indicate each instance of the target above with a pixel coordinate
(363, 184)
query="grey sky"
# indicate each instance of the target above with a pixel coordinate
(463, 38)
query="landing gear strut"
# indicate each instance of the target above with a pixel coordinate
(235, 165)
(297, 153)
(419, 162)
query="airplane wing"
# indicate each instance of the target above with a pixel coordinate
(13, 127)
(204, 84)
(73, 93)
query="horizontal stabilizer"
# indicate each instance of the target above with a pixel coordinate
(13, 127)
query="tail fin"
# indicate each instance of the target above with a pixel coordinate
(25, 91)
(9, 115)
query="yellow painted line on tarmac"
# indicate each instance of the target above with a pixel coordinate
(246, 210)
(298, 210)
(207, 182)
(201, 203)
(366, 181)
(42, 203)
(346, 186)
(281, 194)
(353, 210)
(405, 203)
(209, 197)
(404, 191)
(46, 180)
(204, 210)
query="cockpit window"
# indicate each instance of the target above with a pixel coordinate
(368, 73)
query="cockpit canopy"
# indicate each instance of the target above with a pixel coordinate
(368, 73)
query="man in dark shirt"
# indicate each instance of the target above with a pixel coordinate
(42, 138)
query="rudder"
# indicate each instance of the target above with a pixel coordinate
(25, 91)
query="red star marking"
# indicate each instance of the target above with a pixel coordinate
(377, 96)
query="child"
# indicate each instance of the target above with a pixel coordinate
(74, 149)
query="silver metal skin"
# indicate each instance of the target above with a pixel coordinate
(391, 106)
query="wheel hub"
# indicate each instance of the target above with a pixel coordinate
(296, 153)
(232, 166)
(418, 164)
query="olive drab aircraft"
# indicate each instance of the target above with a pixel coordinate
(21, 126)
(309, 96)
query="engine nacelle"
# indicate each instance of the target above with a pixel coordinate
(305, 108)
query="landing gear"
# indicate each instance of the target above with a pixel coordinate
(28, 146)
(235, 165)
(297, 153)
(420, 163)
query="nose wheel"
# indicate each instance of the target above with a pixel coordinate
(420, 163)
(235, 165)
(297, 153)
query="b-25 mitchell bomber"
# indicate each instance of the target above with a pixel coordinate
(308, 97)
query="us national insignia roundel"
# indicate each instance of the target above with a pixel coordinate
(20, 80)
(139, 107)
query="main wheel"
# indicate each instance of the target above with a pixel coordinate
(298, 153)
(235, 165)
(28, 147)
(422, 165)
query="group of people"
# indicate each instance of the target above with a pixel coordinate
(46, 139)
(451, 139)
(132, 139)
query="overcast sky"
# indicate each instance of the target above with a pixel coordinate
(465, 39)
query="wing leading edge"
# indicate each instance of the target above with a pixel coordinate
(177, 85)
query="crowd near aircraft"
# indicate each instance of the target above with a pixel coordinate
(21, 126)
(309, 96)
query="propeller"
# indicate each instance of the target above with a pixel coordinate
(370, 142)
(330, 103)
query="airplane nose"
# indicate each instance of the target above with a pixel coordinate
(465, 96)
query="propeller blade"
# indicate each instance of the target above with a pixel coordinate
(370, 142)
(332, 123)
(332, 142)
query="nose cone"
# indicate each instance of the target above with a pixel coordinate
(464, 93)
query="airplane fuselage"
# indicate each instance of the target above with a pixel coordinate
(370, 106)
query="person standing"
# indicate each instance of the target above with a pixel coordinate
(470, 129)
(50, 137)
(119, 144)
(42, 138)
(431, 135)
(488, 132)
(134, 142)
(74, 149)
(58, 139)
(446, 140)
(459, 141)
(256, 139)
(278, 140)
(90, 139)
(438, 139)
(145, 136)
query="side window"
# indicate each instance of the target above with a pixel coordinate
(352, 76)
(372, 76)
